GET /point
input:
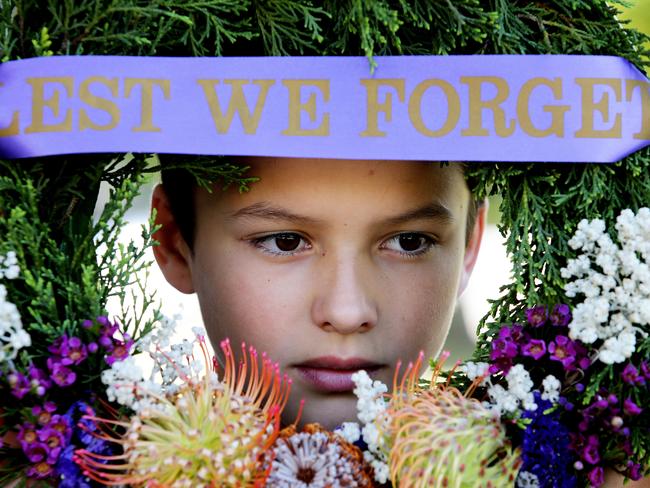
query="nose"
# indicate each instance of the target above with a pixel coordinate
(343, 299)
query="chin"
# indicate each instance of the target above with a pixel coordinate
(330, 411)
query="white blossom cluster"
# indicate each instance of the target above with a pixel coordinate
(128, 385)
(371, 411)
(615, 283)
(519, 392)
(475, 370)
(9, 266)
(526, 479)
(13, 336)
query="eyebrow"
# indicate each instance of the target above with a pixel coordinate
(264, 210)
(430, 211)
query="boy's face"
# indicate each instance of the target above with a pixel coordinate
(329, 266)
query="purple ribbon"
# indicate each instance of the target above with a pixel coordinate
(457, 108)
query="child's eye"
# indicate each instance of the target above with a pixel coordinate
(282, 244)
(409, 243)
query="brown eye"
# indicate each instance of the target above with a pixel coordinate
(282, 244)
(287, 242)
(409, 244)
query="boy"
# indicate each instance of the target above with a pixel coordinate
(330, 266)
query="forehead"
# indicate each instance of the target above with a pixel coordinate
(362, 183)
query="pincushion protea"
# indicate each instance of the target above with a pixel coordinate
(316, 457)
(211, 432)
(441, 438)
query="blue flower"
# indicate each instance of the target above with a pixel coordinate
(82, 437)
(545, 447)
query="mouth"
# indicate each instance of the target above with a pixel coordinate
(330, 374)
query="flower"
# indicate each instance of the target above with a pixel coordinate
(546, 453)
(440, 437)
(596, 476)
(537, 316)
(615, 283)
(631, 408)
(561, 315)
(535, 348)
(316, 458)
(631, 376)
(571, 354)
(209, 430)
(551, 386)
(61, 375)
(13, 336)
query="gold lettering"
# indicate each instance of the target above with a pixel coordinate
(237, 104)
(453, 108)
(146, 100)
(556, 111)
(477, 105)
(589, 107)
(14, 125)
(39, 103)
(644, 90)
(99, 103)
(374, 107)
(296, 107)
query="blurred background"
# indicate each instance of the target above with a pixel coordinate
(491, 272)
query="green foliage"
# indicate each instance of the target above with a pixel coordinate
(63, 278)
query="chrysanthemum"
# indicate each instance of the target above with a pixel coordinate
(440, 437)
(316, 458)
(210, 432)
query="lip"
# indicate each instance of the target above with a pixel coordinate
(331, 374)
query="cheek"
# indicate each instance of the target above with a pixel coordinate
(419, 305)
(246, 302)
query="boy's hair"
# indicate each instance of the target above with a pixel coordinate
(180, 184)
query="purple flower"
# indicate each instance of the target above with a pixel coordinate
(40, 470)
(596, 476)
(55, 347)
(44, 414)
(61, 375)
(631, 408)
(536, 316)
(633, 471)
(19, 384)
(54, 441)
(27, 435)
(87, 324)
(92, 347)
(630, 375)
(120, 351)
(73, 351)
(561, 315)
(37, 452)
(645, 370)
(562, 349)
(535, 348)
(590, 451)
(39, 380)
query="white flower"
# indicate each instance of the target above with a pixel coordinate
(526, 479)
(475, 370)
(371, 411)
(614, 280)
(551, 386)
(350, 431)
(13, 337)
